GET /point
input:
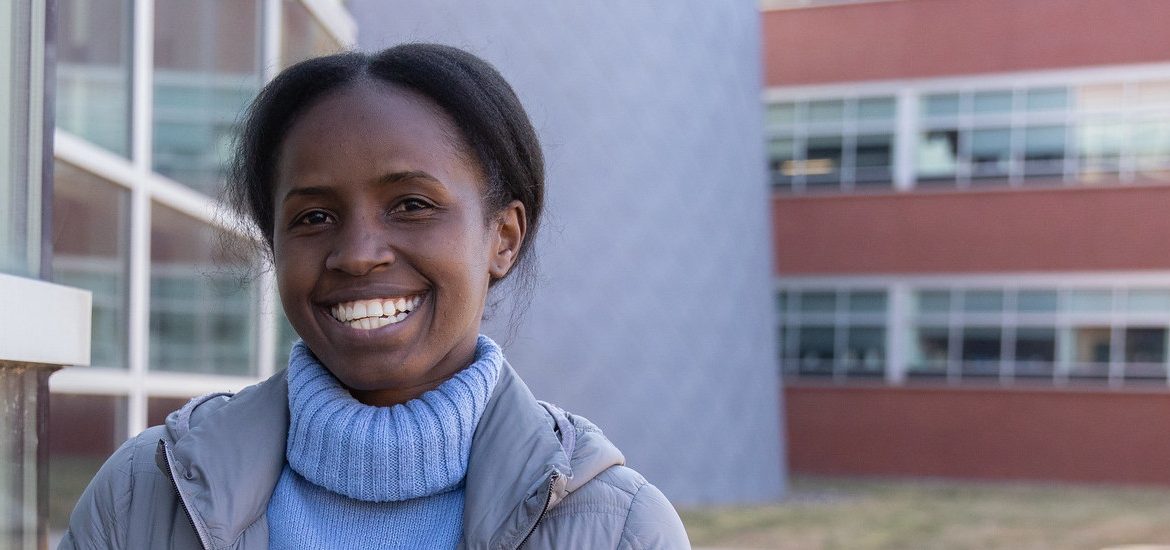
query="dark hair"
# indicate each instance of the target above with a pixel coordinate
(468, 89)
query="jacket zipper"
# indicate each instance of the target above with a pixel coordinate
(182, 499)
(544, 510)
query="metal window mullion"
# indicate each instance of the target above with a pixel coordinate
(955, 337)
(840, 329)
(906, 139)
(142, 98)
(1008, 326)
(898, 331)
(1117, 329)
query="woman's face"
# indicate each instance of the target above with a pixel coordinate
(383, 249)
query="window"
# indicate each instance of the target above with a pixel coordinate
(831, 144)
(1087, 133)
(833, 333)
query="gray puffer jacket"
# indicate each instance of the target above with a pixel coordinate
(537, 477)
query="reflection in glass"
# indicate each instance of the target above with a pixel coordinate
(1152, 149)
(1146, 346)
(1152, 300)
(90, 235)
(93, 71)
(1044, 150)
(1100, 97)
(818, 302)
(875, 108)
(991, 153)
(937, 105)
(202, 311)
(1099, 148)
(83, 431)
(992, 102)
(1046, 99)
(206, 70)
(826, 111)
(781, 114)
(983, 301)
(302, 36)
(867, 302)
(934, 301)
(1153, 93)
(1036, 301)
(1090, 300)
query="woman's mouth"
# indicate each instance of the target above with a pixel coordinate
(375, 313)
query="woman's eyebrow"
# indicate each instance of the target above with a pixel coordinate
(306, 192)
(395, 177)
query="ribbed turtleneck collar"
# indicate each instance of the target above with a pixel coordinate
(382, 454)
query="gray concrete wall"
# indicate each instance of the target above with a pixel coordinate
(654, 317)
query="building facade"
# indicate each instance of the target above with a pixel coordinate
(969, 223)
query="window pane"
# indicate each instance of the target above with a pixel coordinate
(1036, 301)
(1090, 301)
(302, 37)
(780, 114)
(938, 154)
(1035, 351)
(865, 351)
(1044, 150)
(83, 431)
(1145, 353)
(1152, 148)
(934, 301)
(1091, 351)
(201, 309)
(983, 301)
(931, 350)
(875, 108)
(207, 68)
(875, 156)
(981, 350)
(1100, 97)
(91, 229)
(1099, 148)
(1148, 300)
(993, 102)
(818, 302)
(20, 185)
(1046, 99)
(824, 158)
(816, 350)
(93, 71)
(826, 111)
(1153, 93)
(941, 105)
(867, 302)
(990, 153)
(781, 163)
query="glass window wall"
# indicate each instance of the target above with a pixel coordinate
(93, 71)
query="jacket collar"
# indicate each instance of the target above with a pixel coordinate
(229, 453)
(227, 457)
(517, 457)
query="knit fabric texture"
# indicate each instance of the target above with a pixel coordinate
(359, 476)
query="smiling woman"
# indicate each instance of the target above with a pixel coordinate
(393, 191)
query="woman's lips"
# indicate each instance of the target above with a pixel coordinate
(375, 313)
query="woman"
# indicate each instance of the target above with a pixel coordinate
(393, 191)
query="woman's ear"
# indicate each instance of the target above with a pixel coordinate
(510, 226)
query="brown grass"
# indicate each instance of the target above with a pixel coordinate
(872, 514)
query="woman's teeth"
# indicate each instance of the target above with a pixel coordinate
(371, 314)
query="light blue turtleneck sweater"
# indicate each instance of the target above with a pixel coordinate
(358, 476)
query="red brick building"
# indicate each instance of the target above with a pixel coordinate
(971, 217)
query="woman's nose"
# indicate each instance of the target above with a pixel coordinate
(362, 246)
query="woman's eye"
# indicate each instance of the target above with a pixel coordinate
(315, 217)
(410, 205)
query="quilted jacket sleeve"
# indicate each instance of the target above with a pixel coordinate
(95, 522)
(652, 523)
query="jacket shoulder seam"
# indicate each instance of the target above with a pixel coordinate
(626, 534)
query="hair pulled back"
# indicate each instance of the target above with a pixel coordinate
(483, 106)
